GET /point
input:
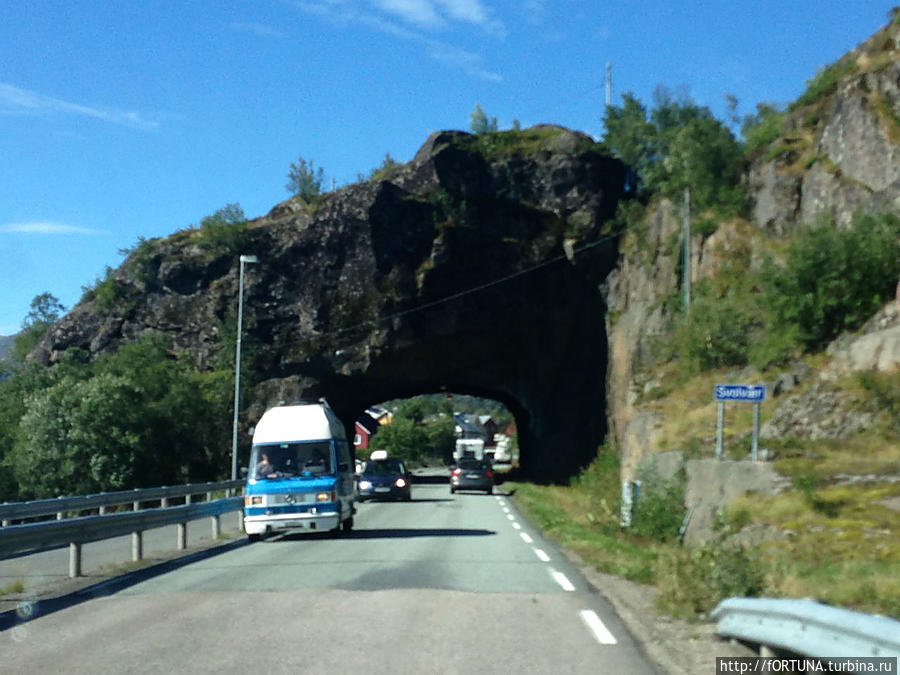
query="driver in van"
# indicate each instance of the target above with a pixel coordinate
(265, 467)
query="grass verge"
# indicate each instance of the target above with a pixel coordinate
(836, 543)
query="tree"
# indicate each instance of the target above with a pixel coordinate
(441, 437)
(480, 124)
(45, 310)
(304, 180)
(834, 279)
(388, 169)
(678, 145)
(763, 127)
(78, 437)
(128, 419)
(223, 232)
(402, 438)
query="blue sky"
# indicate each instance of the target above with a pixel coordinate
(131, 119)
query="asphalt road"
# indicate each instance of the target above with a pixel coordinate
(442, 584)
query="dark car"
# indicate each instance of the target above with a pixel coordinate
(383, 477)
(472, 474)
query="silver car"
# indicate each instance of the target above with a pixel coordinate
(472, 474)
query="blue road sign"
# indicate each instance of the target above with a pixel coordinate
(741, 392)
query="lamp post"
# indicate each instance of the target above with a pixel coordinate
(237, 364)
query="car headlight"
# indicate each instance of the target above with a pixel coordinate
(364, 485)
(400, 483)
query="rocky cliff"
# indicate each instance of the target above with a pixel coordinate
(474, 268)
(485, 265)
(838, 153)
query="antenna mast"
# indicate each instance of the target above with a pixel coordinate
(608, 84)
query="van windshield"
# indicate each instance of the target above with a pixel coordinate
(285, 460)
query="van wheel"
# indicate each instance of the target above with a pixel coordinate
(253, 538)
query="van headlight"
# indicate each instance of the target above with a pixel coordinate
(323, 497)
(400, 483)
(365, 485)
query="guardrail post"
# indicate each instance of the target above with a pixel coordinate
(187, 498)
(182, 536)
(75, 559)
(164, 503)
(136, 506)
(215, 526)
(137, 546)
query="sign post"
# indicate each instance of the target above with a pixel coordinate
(753, 393)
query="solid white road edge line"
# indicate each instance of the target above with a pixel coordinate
(561, 579)
(540, 554)
(600, 631)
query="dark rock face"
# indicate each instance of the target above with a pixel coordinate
(450, 276)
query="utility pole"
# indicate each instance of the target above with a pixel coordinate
(608, 84)
(686, 251)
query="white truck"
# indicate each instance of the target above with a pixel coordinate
(468, 447)
(502, 454)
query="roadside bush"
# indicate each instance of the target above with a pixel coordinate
(224, 232)
(717, 332)
(693, 582)
(833, 279)
(660, 510)
(601, 482)
(763, 128)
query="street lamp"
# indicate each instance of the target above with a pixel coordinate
(237, 364)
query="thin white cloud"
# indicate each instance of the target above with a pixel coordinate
(433, 14)
(17, 99)
(419, 12)
(257, 29)
(45, 227)
(342, 12)
(460, 58)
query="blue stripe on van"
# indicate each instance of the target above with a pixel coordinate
(322, 508)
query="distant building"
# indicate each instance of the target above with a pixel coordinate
(481, 427)
(365, 427)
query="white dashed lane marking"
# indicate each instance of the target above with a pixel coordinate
(562, 580)
(596, 626)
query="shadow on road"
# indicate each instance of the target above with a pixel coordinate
(32, 609)
(389, 533)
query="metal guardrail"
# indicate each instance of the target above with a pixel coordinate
(63, 505)
(807, 627)
(77, 531)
